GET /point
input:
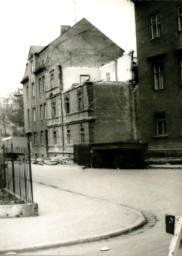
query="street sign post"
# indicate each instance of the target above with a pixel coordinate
(174, 226)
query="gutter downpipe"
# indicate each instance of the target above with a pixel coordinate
(133, 101)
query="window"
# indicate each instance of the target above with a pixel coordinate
(160, 123)
(40, 85)
(82, 134)
(67, 104)
(52, 80)
(55, 137)
(31, 66)
(158, 76)
(42, 138)
(35, 138)
(108, 78)
(84, 78)
(27, 92)
(179, 16)
(44, 111)
(34, 114)
(80, 99)
(28, 116)
(68, 136)
(53, 108)
(43, 84)
(33, 90)
(155, 22)
(41, 112)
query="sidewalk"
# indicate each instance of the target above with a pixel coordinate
(65, 218)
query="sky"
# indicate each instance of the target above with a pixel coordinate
(37, 22)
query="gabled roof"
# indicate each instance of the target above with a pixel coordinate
(80, 27)
(34, 49)
(25, 76)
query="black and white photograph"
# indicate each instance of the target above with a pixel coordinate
(91, 127)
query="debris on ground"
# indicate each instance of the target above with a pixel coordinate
(63, 160)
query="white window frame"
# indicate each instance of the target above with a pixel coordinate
(158, 76)
(28, 116)
(41, 112)
(53, 108)
(52, 80)
(41, 138)
(43, 84)
(67, 104)
(40, 85)
(55, 137)
(35, 139)
(80, 99)
(44, 110)
(33, 90)
(31, 65)
(27, 89)
(34, 114)
(82, 135)
(155, 24)
(179, 18)
(68, 136)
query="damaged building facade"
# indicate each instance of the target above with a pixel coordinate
(77, 90)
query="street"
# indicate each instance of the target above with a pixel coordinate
(157, 191)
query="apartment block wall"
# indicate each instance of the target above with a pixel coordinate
(117, 70)
(72, 75)
(165, 49)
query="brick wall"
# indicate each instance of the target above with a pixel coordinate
(113, 112)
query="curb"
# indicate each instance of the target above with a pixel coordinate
(141, 221)
(18, 210)
(165, 167)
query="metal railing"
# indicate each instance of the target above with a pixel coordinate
(17, 173)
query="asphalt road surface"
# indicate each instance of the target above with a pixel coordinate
(154, 191)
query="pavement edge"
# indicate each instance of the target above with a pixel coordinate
(141, 221)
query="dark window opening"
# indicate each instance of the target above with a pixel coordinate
(158, 76)
(84, 78)
(160, 124)
(67, 104)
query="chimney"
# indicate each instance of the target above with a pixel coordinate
(64, 28)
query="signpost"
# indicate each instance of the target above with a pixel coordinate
(174, 226)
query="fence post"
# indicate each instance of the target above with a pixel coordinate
(4, 167)
(30, 169)
(13, 167)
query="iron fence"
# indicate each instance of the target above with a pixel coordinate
(17, 173)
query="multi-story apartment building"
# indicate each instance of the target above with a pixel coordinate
(74, 57)
(35, 104)
(159, 53)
